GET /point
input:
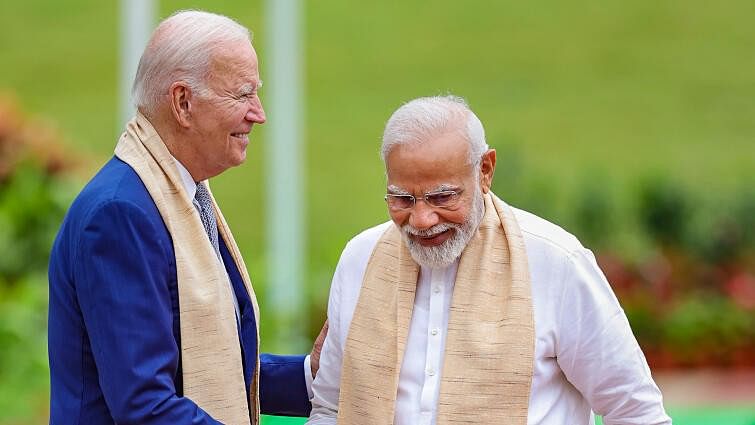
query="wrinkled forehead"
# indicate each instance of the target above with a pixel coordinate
(441, 149)
(431, 164)
(235, 64)
(237, 54)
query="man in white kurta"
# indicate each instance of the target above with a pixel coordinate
(586, 359)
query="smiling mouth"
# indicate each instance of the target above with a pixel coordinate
(433, 240)
(243, 136)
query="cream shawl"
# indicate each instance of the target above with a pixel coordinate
(213, 375)
(487, 369)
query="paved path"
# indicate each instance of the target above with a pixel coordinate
(707, 387)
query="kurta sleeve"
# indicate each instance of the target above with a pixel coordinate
(325, 387)
(597, 351)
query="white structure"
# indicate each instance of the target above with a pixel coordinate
(136, 25)
(284, 101)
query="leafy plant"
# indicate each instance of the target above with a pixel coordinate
(33, 198)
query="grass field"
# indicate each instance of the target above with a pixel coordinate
(608, 92)
(694, 416)
(567, 91)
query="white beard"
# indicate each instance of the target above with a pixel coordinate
(447, 252)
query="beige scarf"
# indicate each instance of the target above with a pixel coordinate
(487, 370)
(213, 374)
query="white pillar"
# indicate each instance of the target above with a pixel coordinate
(287, 240)
(136, 24)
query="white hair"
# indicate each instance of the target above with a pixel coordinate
(181, 49)
(424, 118)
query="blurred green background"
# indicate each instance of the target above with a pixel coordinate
(632, 124)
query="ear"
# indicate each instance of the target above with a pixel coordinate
(487, 168)
(180, 103)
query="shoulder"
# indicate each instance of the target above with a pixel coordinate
(560, 266)
(116, 181)
(546, 240)
(115, 186)
(356, 254)
(114, 195)
(365, 241)
(541, 235)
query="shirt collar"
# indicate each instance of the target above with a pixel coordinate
(447, 272)
(186, 179)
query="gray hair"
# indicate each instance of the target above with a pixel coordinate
(420, 119)
(181, 49)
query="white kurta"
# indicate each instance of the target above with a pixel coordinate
(586, 357)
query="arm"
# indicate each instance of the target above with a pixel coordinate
(122, 271)
(344, 294)
(277, 395)
(283, 388)
(598, 352)
(325, 387)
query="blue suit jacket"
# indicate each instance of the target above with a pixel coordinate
(114, 339)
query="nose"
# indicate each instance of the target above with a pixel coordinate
(422, 216)
(255, 113)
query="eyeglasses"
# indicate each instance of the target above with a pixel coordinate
(441, 199)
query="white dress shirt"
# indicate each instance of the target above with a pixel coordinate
(586, 357)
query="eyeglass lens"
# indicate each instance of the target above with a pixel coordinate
(438, 199)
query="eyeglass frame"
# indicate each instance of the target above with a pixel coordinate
(425, 198)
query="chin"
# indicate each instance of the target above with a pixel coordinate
(239, 159)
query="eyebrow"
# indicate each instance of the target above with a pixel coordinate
(444, 187)
(248, 88)
(395, 190)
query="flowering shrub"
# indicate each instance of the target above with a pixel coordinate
(691, 302)
(33, 198)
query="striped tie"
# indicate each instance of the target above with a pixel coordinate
(207, 213)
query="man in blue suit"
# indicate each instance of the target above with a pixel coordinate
(152, 317)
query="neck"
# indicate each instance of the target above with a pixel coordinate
(178, 140)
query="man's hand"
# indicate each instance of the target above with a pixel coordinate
(314, 356)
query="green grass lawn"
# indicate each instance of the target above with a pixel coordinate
(710, 416)
(568, 91)
(688, 416)
(624, 87)
(714, 415)
(607, 92)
